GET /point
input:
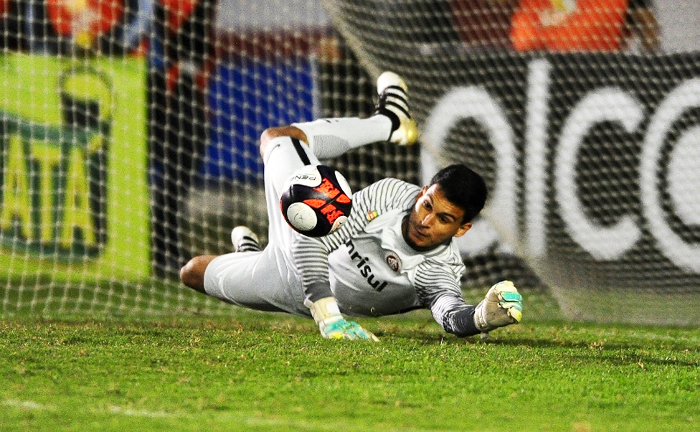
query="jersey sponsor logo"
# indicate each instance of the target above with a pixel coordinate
(364, 267)
(393, 261)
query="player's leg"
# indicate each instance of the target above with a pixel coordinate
(266, 280)
(283, 153)
(262, 280)
(248, 279)
(192, 273)
(255, 280)
(392, 121)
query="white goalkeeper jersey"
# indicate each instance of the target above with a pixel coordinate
(370, 269)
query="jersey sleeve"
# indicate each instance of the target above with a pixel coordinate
(438, 289)
(311, 254)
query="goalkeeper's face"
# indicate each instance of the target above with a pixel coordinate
(434, 220)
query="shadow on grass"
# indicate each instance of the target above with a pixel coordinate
(614, 345)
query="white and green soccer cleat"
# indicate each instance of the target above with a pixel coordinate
(393, 103)
(502, 306)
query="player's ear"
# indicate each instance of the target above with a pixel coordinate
(463, 229)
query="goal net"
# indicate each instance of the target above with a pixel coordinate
(129, 128)
(583, 115)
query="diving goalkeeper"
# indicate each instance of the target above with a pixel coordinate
(394, 254)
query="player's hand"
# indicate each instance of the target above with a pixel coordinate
(502, 306)
(343, 329)
(332, 324)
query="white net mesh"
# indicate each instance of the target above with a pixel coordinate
(128, 133)
(584, 120)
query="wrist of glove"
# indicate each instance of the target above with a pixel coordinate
(332, 324)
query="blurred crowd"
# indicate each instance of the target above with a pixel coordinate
(116, 27)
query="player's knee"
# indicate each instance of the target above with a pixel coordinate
(192, 273)
(275, 132)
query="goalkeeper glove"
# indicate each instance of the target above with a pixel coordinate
(502, 306)
(332, 324)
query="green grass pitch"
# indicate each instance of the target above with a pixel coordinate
(253, 371)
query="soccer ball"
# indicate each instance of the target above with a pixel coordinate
(316, 200)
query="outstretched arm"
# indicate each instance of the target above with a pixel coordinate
(454, 315)
(441, 293)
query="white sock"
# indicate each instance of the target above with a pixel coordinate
(329, 138)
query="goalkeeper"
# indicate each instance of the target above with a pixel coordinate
(394, 254)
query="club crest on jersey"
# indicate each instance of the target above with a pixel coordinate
(371, 215)
(393, 261)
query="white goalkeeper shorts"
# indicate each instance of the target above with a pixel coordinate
(266, 280)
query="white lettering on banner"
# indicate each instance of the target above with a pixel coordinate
(606, 104)
(536, 156)
(684, 178)
(686, 95)
(610, 104)
(473, 102)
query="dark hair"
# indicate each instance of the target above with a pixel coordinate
(462, 187)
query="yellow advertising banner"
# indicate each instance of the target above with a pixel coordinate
(73, 168)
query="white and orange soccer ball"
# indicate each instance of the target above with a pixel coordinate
(316, 201)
